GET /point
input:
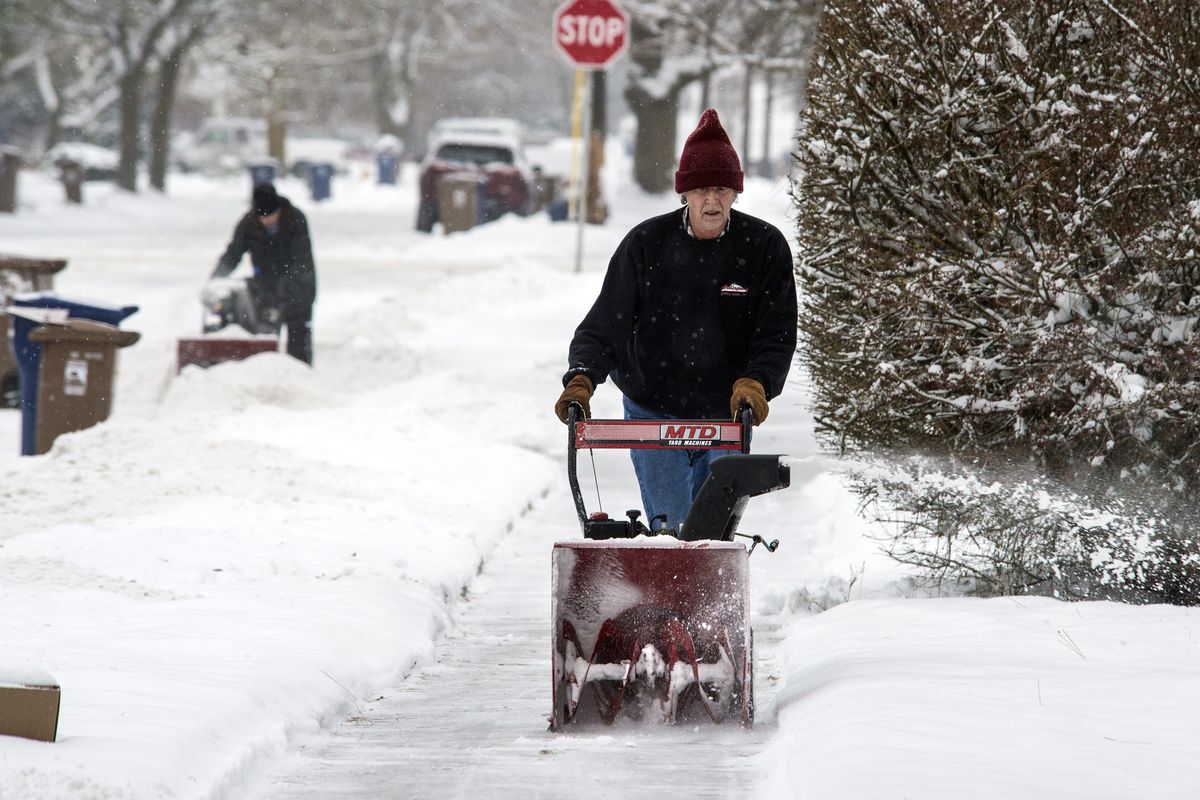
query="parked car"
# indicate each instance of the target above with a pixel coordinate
(495, 154)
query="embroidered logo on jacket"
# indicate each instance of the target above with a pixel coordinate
(734, 290)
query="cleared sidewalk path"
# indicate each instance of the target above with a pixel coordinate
(474, 725)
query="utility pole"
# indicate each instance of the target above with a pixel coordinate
(597, 209)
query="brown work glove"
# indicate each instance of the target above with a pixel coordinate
(750, 392)
(578, 390)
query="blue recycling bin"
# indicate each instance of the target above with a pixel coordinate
(559, 210)
(28, 354)
(320, 178)
(389, 168)
(262, 172)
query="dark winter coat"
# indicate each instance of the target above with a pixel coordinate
(285, 276)
(679, 319)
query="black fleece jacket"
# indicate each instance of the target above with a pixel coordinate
(284, 271)
(679, 319)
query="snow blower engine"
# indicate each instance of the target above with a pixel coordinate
(654, 625)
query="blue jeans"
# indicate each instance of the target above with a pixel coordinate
(669, 479)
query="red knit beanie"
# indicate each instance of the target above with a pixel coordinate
(708, 158)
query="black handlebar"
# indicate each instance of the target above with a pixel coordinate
(745, 415)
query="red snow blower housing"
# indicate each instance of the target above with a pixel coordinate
(655, 625)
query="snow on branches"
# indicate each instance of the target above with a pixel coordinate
(998, 234)
(1000, 530)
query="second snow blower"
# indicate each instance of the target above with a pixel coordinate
(655, 625)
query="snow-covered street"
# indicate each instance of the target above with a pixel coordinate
(265, 581)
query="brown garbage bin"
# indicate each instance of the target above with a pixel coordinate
(10, 382)
(36, 274)
(460, 200)
(545, 190)
(75, 389)
(10, 165)
(70, 172)
(19, 274)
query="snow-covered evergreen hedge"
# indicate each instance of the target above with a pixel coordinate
(1000, 531)
(999, 221)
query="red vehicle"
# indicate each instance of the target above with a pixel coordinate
(506, 188)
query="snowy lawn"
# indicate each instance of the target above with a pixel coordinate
(241, 553)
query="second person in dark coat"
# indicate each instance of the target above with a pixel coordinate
(284, 286)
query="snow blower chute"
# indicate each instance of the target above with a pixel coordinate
(655, 625)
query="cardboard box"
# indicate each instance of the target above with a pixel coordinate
(29, 702)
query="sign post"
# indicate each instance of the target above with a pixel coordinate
(590, 34)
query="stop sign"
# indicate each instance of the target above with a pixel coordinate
(591, 33)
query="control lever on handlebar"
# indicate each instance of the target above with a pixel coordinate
(745, 416)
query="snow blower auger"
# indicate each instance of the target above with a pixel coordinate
(654, 625)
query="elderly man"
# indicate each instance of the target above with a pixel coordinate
(696, 316)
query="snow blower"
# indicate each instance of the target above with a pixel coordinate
(229, 303)
(654, 625)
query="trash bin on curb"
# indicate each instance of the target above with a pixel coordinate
(28, 311)
(19, 274)
(70, 172)
(460, 200)
(36, 274)
(10, 165)
(545, 190)
(389, 167)
(320, 180)
(559, 210)
(263, 171)
(75, 384)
